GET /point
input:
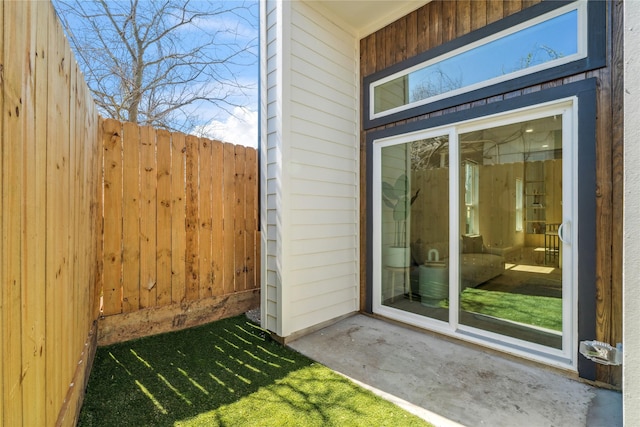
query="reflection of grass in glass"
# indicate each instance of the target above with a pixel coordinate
(545, 312)
(225, 373)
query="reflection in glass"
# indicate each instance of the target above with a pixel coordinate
(510, 274)
(541, 44)
(415, 227)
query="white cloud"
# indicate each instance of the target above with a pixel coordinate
(239, 128)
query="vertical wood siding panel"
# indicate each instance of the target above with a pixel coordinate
(400, 40)
(448, 20)
(422, 21)
(131, 218)
(412, 35)
(495, 11)
(435, 24)
(163, 252)
(512, 6)
(478, 14)
(178, 218)
(463, 17)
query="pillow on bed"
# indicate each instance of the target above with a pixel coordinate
(472, 244)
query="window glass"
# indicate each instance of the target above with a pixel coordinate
(539, 45)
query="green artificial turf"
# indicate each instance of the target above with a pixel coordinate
(545, 312)
(227, 373)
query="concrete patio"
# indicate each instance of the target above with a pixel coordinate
(450, 383)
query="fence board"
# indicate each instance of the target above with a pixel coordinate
(217, 166)
(239, 219)
(33, 322)
(178, 211)
(251, 216)
(205, 221)
(12, 212)
(112, 267)
(163, 149)
(192, 280)
(148, 217)
(2, 214)
(131, 218)
(51, 192)
(228, 221)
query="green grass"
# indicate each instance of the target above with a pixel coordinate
(227, 373)
(545, 312)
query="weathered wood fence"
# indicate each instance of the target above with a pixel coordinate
(51, 215)
(180, 226)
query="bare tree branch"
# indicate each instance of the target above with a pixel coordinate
(154, 62)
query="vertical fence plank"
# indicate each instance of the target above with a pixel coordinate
(130, 217)
(58, 226)
(148, 217)
(251, 216)
(65, 354)
(205, 223)
(163, 253)
(192, 280)
(98, 218)
(178, 210)
(112, 256)
(12, 179)
(34, 304)
(228, 220)
(217, 255)
(3, 279)
(240, 265)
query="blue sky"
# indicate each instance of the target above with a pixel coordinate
(232, 124)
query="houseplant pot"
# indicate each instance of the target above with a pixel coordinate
(397, 256)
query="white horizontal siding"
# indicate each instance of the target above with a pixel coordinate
(310, 158)
(322, 170)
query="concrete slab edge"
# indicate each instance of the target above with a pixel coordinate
(431, 417)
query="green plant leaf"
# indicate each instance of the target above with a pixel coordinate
(401, 187)
(388, 191)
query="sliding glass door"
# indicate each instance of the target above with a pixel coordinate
(472, 229)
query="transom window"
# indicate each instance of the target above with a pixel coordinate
(546, 41)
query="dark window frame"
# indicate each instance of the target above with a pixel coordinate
(585, 91)
(596, 58)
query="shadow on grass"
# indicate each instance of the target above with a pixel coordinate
(225, 373)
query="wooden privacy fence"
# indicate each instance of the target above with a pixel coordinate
(51, 215)
(180, 225)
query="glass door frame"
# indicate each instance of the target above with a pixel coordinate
(567, 108)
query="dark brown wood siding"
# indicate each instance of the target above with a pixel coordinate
(441, 21)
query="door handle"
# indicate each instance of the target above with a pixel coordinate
(561, 233)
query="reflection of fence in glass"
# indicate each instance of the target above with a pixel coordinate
(539, 45)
